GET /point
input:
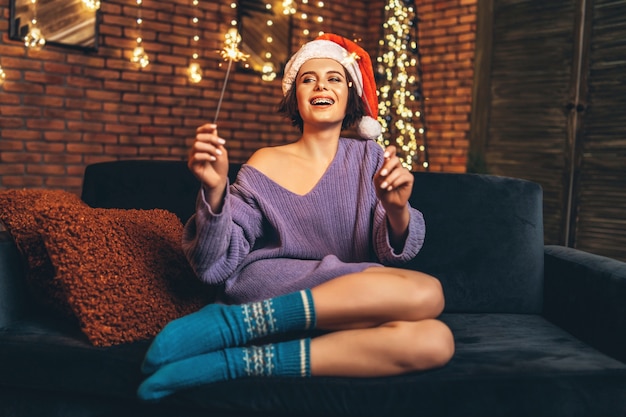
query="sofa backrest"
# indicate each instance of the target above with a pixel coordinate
(484, 234)
(15, 300)
(484, 240)
(144, 184)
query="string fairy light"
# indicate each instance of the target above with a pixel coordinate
(3, 76)
(140, 57)
(401, 101)
(319, 19)
(281, 13)
(92, 4)
(268, 70)
(268, 60)
(289, 7)
(194, 71)
(34, 39)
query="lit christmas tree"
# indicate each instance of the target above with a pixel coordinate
(401, 102)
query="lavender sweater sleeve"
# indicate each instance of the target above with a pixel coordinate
(216, 244)
(380, 228)
(412, 245)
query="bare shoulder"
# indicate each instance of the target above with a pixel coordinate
(285, 166)
(268, 159)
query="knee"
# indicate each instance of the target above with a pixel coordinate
(426, 296)
(427, 344)
(440, 346)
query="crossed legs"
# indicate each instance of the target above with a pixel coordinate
(381, 321)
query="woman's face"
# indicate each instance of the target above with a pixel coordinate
(322, 92)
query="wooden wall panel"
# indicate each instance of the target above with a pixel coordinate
(600, 222)
(549, 108)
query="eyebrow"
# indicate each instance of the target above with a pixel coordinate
(327, 73)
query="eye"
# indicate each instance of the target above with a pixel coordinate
(306, 80)
(335, 79)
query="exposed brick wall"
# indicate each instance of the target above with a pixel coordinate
(61, 109)
(447, 38)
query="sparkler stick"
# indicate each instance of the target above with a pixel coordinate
(219, 103)
(232, 53)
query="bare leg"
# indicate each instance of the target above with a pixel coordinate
(384, 322)
(376, 296)
(391, 349)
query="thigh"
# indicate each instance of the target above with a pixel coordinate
(389, 349)
(377, 295)
(388, 271)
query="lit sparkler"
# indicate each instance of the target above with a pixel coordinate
(231, 53)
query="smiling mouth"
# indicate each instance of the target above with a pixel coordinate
(322, 101)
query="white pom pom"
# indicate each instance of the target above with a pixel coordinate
(368, 128)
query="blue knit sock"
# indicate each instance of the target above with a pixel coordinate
(217, 326)
(290, 358)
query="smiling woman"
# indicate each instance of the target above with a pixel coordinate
(69, 23)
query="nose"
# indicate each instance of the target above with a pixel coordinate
(320, 85)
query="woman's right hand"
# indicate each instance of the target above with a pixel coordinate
(208, 161)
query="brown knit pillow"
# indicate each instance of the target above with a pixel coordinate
(18, 211)
(123, 270)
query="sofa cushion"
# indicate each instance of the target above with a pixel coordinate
(123, 271)
(484, 240)
(18, 211)
(505, 365)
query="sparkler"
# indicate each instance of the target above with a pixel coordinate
(231, 53)
(34, 39)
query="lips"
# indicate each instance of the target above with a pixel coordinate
(322, 101)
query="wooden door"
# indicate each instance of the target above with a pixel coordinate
(548, 95)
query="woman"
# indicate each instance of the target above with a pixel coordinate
(298, 243)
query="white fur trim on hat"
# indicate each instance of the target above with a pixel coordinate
(368, 128)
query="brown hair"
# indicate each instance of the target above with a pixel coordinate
(355, 109)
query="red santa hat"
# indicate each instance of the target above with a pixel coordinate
(358, 64)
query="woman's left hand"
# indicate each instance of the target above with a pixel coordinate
(393, 182)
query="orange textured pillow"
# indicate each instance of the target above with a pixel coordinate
(18, 212)
(123, 271)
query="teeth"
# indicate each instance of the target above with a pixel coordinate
(322, 101)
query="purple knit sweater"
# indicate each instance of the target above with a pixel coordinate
(268, 241)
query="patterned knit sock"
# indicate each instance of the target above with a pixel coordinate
(281, 359)
(217, 326)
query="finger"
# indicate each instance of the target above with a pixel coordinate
(203, 157)
(208, 147)
(390, 152)
(397, 178)
(396, 182)
(207, 128)
(208, 133)
(391, 160)
(389, 166)
(210, 138)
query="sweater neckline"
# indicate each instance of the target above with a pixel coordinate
(320, 181)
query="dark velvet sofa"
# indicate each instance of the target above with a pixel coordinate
(540, 330)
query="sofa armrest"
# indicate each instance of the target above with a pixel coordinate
(586, 295)
(14, 295)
